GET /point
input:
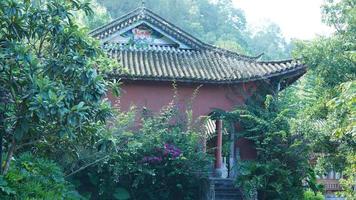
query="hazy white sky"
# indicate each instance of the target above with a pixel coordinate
(297, 18)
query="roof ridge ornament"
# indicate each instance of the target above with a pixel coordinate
(142, 8)
(143, 4)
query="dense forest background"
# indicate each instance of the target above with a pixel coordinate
(215, 22)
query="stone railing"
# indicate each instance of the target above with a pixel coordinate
(330, 184)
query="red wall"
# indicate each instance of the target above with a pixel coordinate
(155, 95)
(246, 149)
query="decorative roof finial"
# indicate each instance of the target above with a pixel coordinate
(142, 8)
(143, 2)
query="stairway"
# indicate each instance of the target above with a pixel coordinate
(225, 189)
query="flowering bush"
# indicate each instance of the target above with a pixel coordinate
(161, 160)
(169, 151)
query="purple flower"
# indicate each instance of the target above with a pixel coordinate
(172, 150)
(152, 159)
(169, 150)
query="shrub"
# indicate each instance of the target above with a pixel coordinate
(310, 195)
(161, 160)
(35, 178)
(282, 156)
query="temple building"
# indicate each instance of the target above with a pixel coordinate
(155, 53)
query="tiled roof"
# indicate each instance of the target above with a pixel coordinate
(199, 63)
(163, 63)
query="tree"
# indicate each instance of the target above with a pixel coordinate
(48, 73)
(282, 163)
(270, 41)
(328, 118)
(90, 22)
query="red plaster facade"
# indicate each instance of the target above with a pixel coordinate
(155, 95)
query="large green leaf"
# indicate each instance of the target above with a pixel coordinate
(121, 194)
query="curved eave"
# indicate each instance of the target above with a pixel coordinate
(290, 75)
(289, 80)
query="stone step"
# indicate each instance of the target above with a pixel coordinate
(225, 189)
(225, 194)
(228, 196)
(229, 190)
(223, 186)
(220, 183)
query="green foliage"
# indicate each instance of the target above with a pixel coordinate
(282, 156)
(332, 58)
(99, 17)
(348, 181)
(49, 73)
(121, 194)
(310, 195)
(328, 59)
(327, 117)
(161, 160)
(342, 110)
(270, 41)
(35, 178)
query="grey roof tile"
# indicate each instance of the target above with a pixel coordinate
(195, 65)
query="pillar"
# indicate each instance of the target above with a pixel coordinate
(232, 160)
(218, 149)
